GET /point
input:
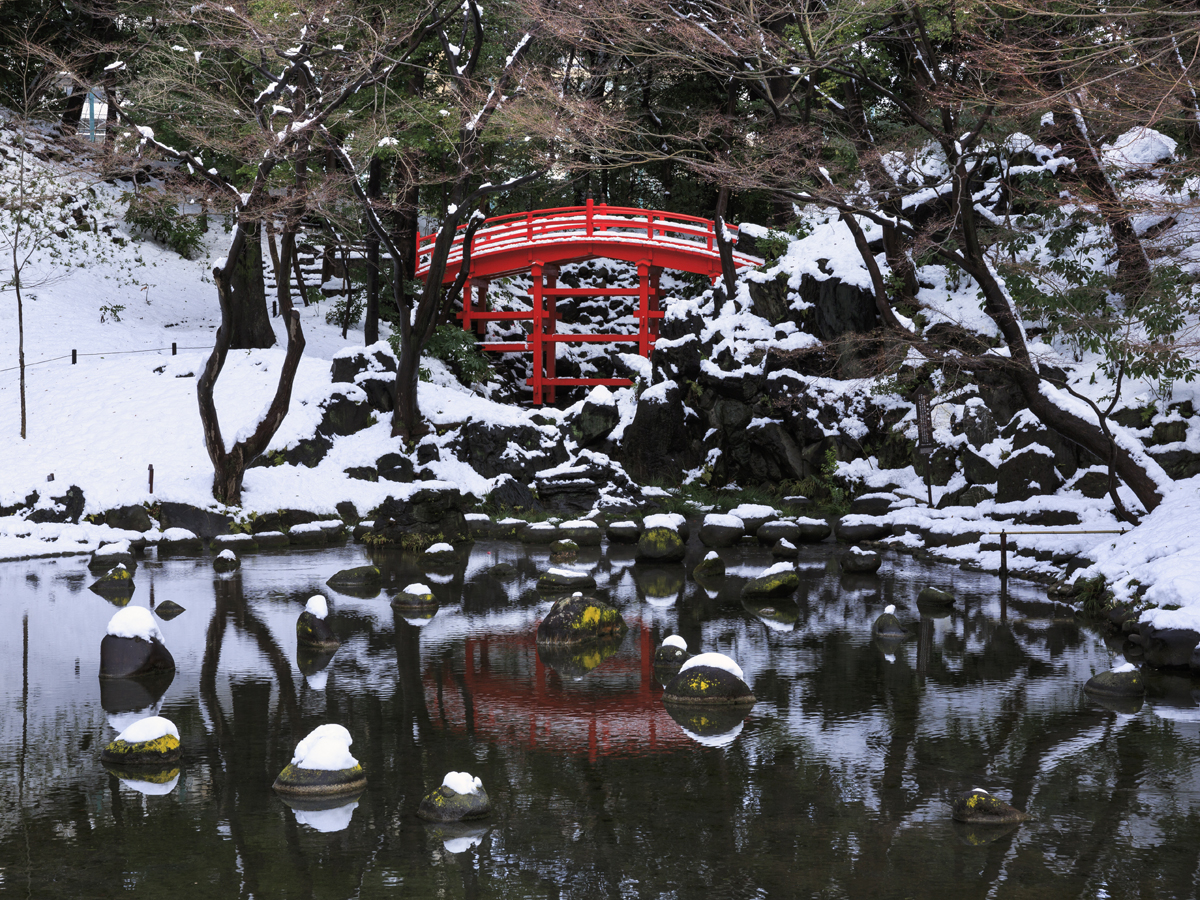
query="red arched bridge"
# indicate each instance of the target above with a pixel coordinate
(540, 242)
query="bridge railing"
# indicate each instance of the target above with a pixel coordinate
(596, 221)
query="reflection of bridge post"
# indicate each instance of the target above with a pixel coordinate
(924, 644)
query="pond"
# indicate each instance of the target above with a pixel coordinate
(837, 784)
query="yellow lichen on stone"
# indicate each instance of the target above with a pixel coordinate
(161, 745)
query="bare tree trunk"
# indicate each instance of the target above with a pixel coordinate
(371, 313)
(250, 323)
(724, 248)
(20, 336)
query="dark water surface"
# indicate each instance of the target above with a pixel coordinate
(836, 785)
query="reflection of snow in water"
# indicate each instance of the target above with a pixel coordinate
(461, 844)
(715, 740)
(151, 788)
(327, 820)
(318, 681)
(661, 602)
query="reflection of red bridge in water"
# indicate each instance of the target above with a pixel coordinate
(540, 242)
(509, 695)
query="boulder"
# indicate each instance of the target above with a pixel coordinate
(659, 443)
(978, 469)
(430, 513)
(626, 532)
(978, 423)
(1165, 648)
(661, 544)
(66, 508)
(312, 627)
(596, 418)
(241, 543)
(128, 518)
(457, 798)
(583, 532)
(754, 515)
(785, 549)
(563, 580)
(439, 555)
(351, 362)
(519, 450)
(133, 646)
(395, 467)
(226, 561)
(721, 530)
(978, 807)
(1027, 473)
(322, 766)
(812, 531)
(201, 522)
(415, 598)
(852, 529)
(115, 585)
(151, 742)
(578, 619)
(712, 566)
(876, 504)
(179, 541)
(770, 533)
(563, 551)
(778, 581)
(672, 652)
(931, 596)
(1123, 682)
(857, 561)
(109, 555)
(540, 533)
(888, 626)
(357, 581)
(709, 678)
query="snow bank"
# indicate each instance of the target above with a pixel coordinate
(714, 661)
(134, 622)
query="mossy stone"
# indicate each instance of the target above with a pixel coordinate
(888, 626)
(661, 544)
(294, 780)
(861, 562)
(1127, 684)
(709, 567)
(669, 654)
(577, 620)
(624, 532)
(360, 581)
(158, 752)
(557, 581)
(115, 585)
(168, 610)
(502, 570)
(931, 596)
(314, 632)
(777, 584)
(444, 804)
(978, 807)
(707, 684)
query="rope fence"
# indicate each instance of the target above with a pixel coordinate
(74, 355)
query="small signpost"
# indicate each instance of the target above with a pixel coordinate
(925, 444)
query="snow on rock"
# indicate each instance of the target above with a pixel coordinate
(778, 569)
(1122, 669)
(754, 511)
(462, 782)
(417, 589)
(672, 521)
(316, 605)
(149, 729)
(714, 661)
(134, 622)
(226, 554)
(1138, 148)
(326, 749)
(440, 548)
(724, 520)
(119, 548)
(675, 640)
(178, 534)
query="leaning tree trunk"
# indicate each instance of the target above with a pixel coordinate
(371, 314)
(249, 320)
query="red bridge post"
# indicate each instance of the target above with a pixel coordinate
(551, 280)
(643, 270)
(535, 334)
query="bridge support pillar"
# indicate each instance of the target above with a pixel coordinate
(545, 318)
(643, 270)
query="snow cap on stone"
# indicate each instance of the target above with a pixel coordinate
(418, 589)
(440, 548)
(327, 748)
(134, 622)
(888, 610)
(462, 782)
(226, 554)
(675, 641)
(148, 729)
(317, 606)
(714, 661)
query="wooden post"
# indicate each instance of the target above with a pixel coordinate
(535, 333)
(655, 297)
(481, 324)
(74, 359)
(152, 478)
(1003, 556)
(174, 348)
